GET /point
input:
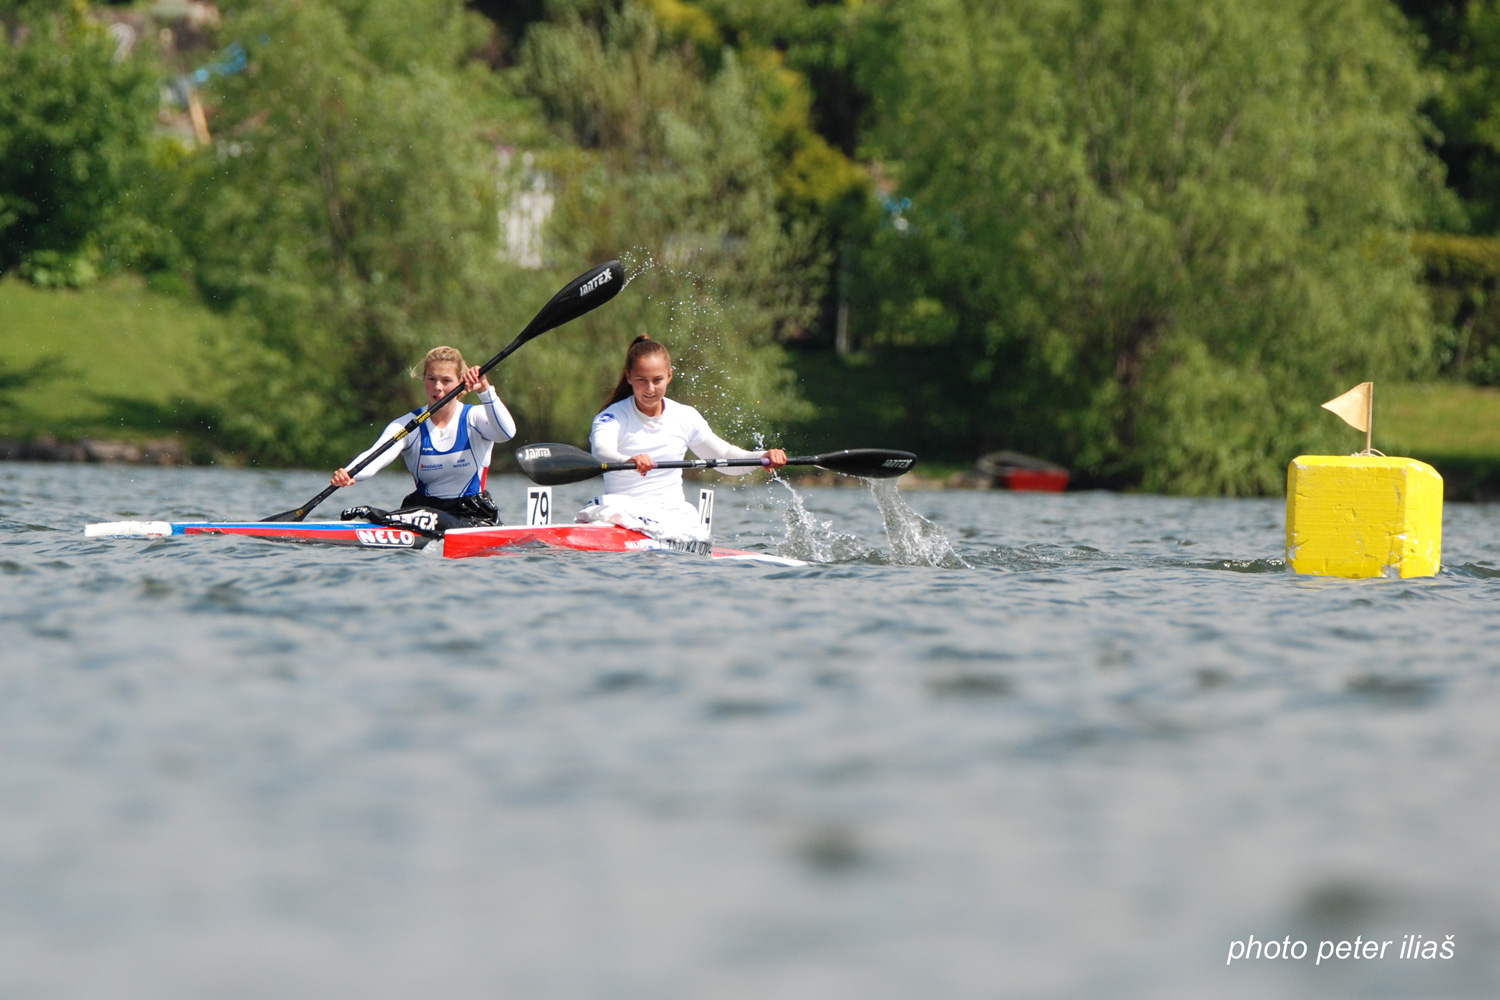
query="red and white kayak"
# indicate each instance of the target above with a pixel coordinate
(361, 533)
(457, 543)
(461, 543)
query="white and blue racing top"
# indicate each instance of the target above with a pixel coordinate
(621, 430)
(450, 461)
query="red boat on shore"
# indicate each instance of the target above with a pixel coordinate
(1012, 470)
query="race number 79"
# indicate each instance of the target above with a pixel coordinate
(538, 506)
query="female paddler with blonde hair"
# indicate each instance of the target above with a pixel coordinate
(639, 424)
(450, 458)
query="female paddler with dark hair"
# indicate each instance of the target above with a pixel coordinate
(449, 457)
(640, 424)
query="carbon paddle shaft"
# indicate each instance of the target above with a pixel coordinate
(557, 464)
(871, 463)
(587, 292)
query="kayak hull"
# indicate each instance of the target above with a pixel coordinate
(361, 534)
(463, 543)
(458, 543)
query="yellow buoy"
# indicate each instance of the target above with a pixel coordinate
(1363, 515)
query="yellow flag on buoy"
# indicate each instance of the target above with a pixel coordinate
(1357, 409)
(1354, 406)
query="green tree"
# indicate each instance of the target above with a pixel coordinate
(669, 163)
(75, 129)
(1461, 43)
(1146, 237)
(346, 215)
(802, 52)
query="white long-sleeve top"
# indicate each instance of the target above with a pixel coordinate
(447, 461)
(621, 431)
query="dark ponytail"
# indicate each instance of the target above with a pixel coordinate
(640, 347)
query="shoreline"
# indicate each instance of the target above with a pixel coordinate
(47, 448)
(171, 451)
(1471, 481)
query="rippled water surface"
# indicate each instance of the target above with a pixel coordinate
(1102, 739)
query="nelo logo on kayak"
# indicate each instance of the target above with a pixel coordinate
(603, 278)
(532, 454)
(385, 538)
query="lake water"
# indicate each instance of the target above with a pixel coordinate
(1106, 737)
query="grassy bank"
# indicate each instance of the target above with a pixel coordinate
(1452, 426)
(1439, 420)
(115, 360)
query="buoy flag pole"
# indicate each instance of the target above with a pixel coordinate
(1357, 409)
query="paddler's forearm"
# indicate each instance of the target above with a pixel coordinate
(492, 420)
(714, 447)
(604, 443)
(385, 458)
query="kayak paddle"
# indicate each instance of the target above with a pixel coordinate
(557, 464)
(586, 292)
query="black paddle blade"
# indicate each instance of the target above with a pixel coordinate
(587, 292)
(870, 463)
(557, 464)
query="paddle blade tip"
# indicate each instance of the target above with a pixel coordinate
(602, 283)
(583, 294)
(557, 464)
(868, 463)
(893, 465)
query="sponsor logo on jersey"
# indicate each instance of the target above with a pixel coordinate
(532, 454)
(605, 418)
(385, 538)
(427, 466)
(462, 463)
(602, 278)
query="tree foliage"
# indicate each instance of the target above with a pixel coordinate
(1147, 238)
(669, 163)
(1461, 43)
(1144, 238)
(75, 129)
(345, 214)
(1463, 282)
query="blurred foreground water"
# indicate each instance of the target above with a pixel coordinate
(1101, 739)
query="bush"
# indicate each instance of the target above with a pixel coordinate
(1463, 279)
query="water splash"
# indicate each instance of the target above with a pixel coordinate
(726, 377)
(713, 369)
(812, 540)
(915, 541)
